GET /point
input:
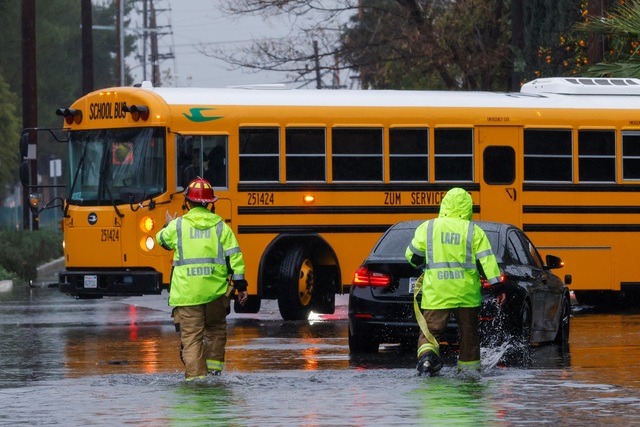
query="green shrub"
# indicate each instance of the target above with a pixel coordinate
(22, 251)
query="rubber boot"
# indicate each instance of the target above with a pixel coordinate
(429, 364)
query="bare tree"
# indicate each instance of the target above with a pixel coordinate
(308, 51)
(400, 44)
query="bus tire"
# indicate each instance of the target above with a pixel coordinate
(325, 285)
(296, 281)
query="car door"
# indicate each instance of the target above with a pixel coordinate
(531, 276)
(552, 286)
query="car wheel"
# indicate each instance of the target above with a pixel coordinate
(518, 353)
(361, 341)
(524, 329)
(562, 336)
(295, 285)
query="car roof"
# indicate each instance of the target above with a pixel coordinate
(491, 228)
(485, 225)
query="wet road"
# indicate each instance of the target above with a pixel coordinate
(115, 361)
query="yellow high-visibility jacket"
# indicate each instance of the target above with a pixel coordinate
(202, 242)
(450, 246)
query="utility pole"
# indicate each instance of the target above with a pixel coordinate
(120, 42)
(87, 47)
(29, 101)
(155, 61)
(145, 35)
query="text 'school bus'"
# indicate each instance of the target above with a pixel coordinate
(309, 180)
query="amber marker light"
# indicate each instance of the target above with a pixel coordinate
(309, 199)
(147, 224)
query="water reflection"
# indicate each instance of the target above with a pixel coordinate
(116, 362)
(444, 400)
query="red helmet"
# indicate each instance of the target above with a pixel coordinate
(200, 191)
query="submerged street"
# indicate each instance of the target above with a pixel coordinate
(115, 361)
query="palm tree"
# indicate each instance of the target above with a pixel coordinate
(621, 30)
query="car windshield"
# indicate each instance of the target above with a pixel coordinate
(395, 242)
(106, 164)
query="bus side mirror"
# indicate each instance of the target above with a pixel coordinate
(27, 152)
(24, 173)
(24, 145)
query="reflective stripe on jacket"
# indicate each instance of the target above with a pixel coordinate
(451, 244)
(201, 242)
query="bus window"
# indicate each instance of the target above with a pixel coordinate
(357, 154)
(453, 154)
(205, 156)
(631, 156)
(548, 155)
(597, 155)
(306, 154)
(106, 162)
(499, 165)
(260, 154)
(409, 154)
(186, 170)
(214, 165)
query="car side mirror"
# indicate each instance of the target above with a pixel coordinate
(554, 262)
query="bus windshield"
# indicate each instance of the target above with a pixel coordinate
(116, 166)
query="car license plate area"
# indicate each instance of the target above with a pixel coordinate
(412, 284)
(91, 281)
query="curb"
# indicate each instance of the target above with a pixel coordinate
(50, 268)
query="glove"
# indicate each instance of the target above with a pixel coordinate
(240, 285)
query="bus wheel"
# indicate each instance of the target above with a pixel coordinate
(296, 281)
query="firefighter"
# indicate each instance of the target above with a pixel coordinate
(206, 256)
(447, 248)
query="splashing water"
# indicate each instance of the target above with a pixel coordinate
(491, 356)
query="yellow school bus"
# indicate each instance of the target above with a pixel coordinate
(309, 180)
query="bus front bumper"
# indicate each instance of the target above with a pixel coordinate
(110, 282)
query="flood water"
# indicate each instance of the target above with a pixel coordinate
(115, 361)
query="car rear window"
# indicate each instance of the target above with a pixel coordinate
(493, 239)
(395, 242)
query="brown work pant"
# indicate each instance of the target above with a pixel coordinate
(467, 319)
(203, 333)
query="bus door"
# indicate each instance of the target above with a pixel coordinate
(500, 188)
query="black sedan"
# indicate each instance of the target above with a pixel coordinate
(538, 303)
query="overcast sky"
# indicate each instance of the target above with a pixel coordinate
(194, 22)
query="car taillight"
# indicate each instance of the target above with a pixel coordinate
(486, 285)
(364, 277)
